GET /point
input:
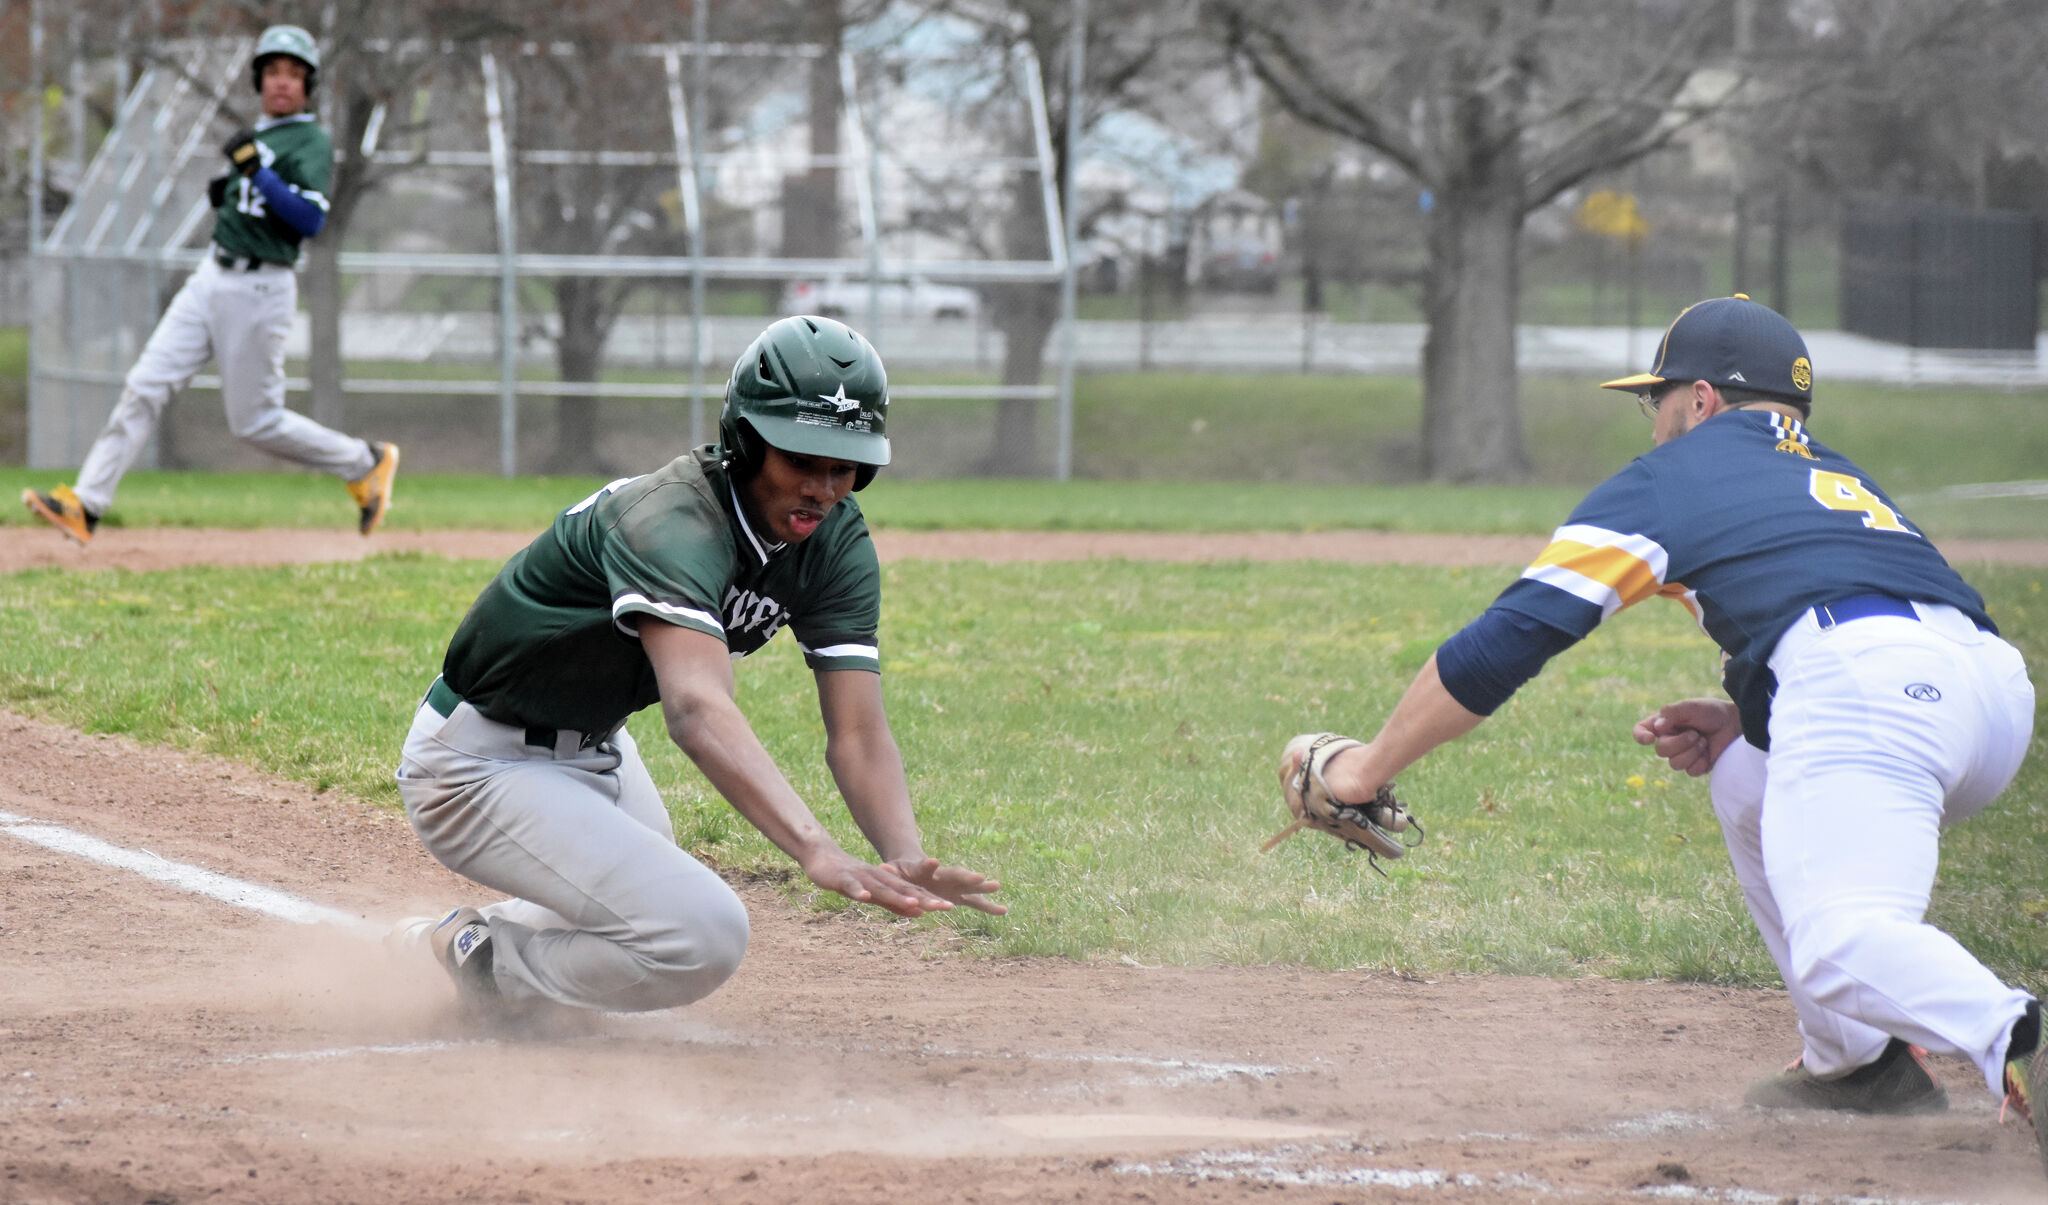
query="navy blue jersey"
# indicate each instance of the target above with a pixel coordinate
(1747, 522)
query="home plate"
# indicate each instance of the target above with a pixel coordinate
(1079, 1126)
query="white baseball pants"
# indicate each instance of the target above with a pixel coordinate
(606, 912)
(240, 320)
(1883, 730)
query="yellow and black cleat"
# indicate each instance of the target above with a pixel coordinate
(372, 491)
(61, 509)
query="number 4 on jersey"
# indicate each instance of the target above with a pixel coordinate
(1840, 491)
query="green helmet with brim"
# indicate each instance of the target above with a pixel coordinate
(810, 386)
(287, 40)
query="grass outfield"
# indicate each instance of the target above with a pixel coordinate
(1168, 452)
(1102, 736)
(434, 501)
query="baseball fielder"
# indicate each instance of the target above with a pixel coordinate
(1870, 701)
(237, 309)
(518, 773)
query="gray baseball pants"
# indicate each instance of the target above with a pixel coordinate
(239, 320)
(605, 911)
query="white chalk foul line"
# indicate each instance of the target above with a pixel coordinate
(249, 896)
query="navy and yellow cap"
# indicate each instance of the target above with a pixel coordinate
(1730, 342)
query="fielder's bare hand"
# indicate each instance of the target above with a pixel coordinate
(1691, 733)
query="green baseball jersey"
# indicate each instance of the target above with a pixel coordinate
(553, 641)
(299, 151)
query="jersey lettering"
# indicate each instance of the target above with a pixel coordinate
(1840, 491)
(746, 611)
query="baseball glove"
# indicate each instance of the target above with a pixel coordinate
(1370, 826)
(243, 153)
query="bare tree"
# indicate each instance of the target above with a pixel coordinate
(1494, 107)
(598, 97)
(1128, 46)
(378, 53)
(596, 88)
(1932, 99)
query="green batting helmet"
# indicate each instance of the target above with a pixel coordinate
(810, 386)
(288, 40)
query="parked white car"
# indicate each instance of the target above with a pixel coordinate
(847, 300)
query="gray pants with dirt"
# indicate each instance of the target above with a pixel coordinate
(605, 912)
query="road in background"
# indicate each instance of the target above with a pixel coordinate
(1224, 343)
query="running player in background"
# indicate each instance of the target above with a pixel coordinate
(1870, 702)
(237, 309)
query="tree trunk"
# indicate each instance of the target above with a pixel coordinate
(579, 304)
(1471, 413)
(351, 115)
(1781, 253)
(811, 198)
(1739, 271)
(323, 313)
(1025, 315)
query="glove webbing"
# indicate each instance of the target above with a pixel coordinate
(1357, 814)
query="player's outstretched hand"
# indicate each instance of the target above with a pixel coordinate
(1691, 733)
(886, 885)
(955, 883)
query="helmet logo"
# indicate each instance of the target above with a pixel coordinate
(1802, 374)
(839, 399)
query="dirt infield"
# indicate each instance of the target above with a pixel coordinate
(167, 548)
(162, 1045)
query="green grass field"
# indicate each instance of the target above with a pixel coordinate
(1102, 736)
(1165, 452)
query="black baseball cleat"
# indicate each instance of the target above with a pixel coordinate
(1896, 1083)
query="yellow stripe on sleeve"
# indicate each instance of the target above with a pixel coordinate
(1631, 578)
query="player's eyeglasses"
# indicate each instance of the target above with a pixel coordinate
(1653, 397)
